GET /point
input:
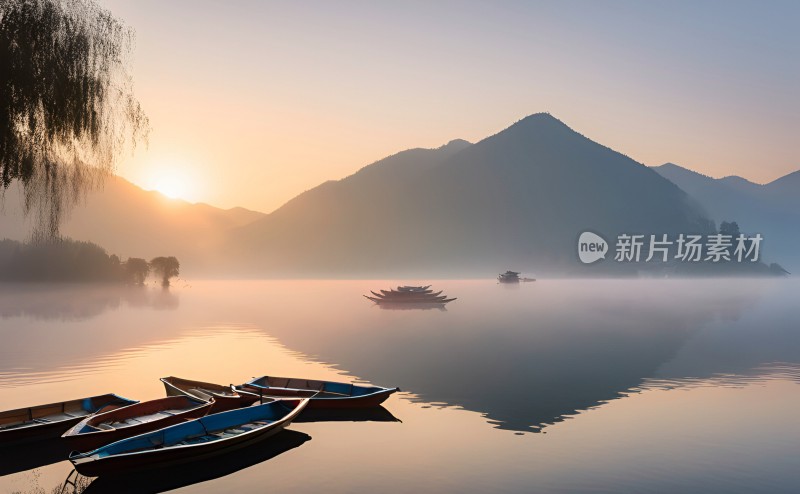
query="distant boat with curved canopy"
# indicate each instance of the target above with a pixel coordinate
(409, 295)
(508, 277)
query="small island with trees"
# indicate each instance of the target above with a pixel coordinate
(67, 260)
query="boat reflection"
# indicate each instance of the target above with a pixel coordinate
(197, 471)
(411, 306)
(32, 455)
(373, 414)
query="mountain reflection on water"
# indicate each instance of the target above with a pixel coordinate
(524, 358)
(692, 384)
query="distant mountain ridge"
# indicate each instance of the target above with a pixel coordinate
(516, 199)
(129, 221)
(772, 209)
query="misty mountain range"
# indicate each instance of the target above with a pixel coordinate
(131, 222)
(515, 200)
(772, 210)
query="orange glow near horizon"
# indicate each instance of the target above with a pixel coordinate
(171, 186)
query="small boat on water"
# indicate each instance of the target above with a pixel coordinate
(106, 427)
(412, 295)
(224, 397)
(508, 277)
(50, 421)
(190, 441)
(322, 394)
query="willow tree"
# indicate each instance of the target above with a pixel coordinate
(166, 268)
(67, 109)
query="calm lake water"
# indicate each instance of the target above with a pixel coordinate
(554, 386)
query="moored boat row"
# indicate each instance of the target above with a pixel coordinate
(113, 435)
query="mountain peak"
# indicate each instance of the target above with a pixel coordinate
(670, 171)
(456, 145)
(538, 126)
(540, 121)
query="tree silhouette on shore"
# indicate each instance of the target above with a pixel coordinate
(166, 268)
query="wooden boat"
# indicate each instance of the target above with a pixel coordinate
(418, 289)
(508, 277)
(410, 294)
(104, 428)
(50, 421)
(198, 439)
(323, 394)
(224, 397)
(410, 303)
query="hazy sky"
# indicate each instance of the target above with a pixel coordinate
(252, 102)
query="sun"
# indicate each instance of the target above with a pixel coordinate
(172, 184)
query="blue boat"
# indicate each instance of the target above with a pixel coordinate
(323, 394)
(198, 439)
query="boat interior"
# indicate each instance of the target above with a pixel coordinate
(205, 430)
(199, 389)
(320, 389)
(143, 414)
(45, 414)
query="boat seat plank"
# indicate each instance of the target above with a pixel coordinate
(218, 392)
(19, 425)
(197, 440)
(199, 393)
(151, 417)
(56, 417)
(222, 435)
(125, 423)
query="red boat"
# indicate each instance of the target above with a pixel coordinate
(107, 427)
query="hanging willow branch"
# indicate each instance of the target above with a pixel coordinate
(67, 109)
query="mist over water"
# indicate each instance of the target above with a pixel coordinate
(552, 386)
